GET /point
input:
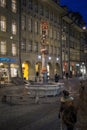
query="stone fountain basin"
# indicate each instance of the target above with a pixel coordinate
(45, 89)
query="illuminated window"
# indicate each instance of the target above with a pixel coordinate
(14, 28)
(3, 23)
(3, 47)
(14, 50)
(14, 6)
(3, 3)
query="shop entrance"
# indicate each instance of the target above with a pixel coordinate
(4, 74)
(25, 70)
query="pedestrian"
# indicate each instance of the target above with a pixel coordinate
(69, 115)
(64, 98)
(56, 77)
(67, 75)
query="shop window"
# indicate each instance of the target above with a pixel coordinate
(14, 72)
(3, 23)
(3, 3)
(4, 75)
(14, 6)
(3, 47)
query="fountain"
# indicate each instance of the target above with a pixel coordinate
(44, 88)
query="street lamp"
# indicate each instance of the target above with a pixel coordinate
(39, 57)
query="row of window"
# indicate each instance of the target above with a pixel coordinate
(36, 27)
(3, 3)
(36, 48)
(3, 48)
(3, 25)
(41, 9)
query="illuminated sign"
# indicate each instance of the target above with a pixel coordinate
(7, 60)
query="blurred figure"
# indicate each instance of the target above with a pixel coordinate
(63, 100)
(69, 115)
(67, 75)
(56, 77)
(66, 111)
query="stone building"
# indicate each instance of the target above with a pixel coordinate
(21, 37)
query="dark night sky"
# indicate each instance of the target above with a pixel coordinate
(77, 6)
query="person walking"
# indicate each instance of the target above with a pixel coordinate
(69, 115)
(56, 77)
(63, 100)
(67, 111)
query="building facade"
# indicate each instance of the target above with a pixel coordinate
(9, 39)
(21, 37)
(33, 14)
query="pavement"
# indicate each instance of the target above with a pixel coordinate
(17, 95)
